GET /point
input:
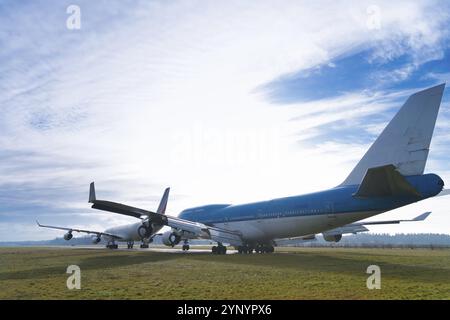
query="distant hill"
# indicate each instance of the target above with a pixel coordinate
(385, 240)
(358, 240)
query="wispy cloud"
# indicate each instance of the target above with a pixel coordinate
(145, 84)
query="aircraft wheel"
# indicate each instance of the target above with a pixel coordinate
(214, 250)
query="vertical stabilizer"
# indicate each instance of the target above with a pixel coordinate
(405, 142)
(163, 204)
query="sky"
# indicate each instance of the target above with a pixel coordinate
(223, 101)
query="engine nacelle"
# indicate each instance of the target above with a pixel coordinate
(68, 236)
(332, 238)
(145, 231)
(170, 238)
(96, 240)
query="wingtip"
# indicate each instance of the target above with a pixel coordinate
(423, 216)
(92, 196)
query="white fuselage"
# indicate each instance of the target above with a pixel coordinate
(129, 232)
(285, 227)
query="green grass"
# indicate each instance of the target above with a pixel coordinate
(300, 273)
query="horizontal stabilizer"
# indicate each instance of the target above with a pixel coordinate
(385, 181)
(444, 192)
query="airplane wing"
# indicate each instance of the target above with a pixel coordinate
(349, 228)
(99, 234)
(360, 226)
(191, 228)
(118, 207)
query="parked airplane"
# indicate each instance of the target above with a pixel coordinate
(390, 175)
(143, 230)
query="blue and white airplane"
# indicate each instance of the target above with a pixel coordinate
(390, 175)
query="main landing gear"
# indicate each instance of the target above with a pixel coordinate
(112, 245)
(144, 243)
(220, 249)
(185, 245)
(247, 249)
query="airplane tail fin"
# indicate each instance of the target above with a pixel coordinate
(405, 142)
(163, 204)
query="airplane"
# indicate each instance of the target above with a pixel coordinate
(143, 230)
(389, 175)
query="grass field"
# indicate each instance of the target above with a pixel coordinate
(300, 273)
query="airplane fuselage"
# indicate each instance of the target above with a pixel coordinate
(306, 214)
(131, 232)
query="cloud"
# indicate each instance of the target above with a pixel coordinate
(145, 84)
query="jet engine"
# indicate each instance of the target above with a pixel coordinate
(332, 237)
(68, 236)
(145, 231)
(170, 238)
(96, 240)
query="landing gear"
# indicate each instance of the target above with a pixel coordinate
(220, 249)
(112, 245)
(260, 248)
(144, 244)
(264, 248)
(130, 244)
(245, 249)
(185, 245)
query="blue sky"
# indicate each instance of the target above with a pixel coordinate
(225, 102)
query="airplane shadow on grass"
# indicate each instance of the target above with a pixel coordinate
(87, 263)
(299, 262)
